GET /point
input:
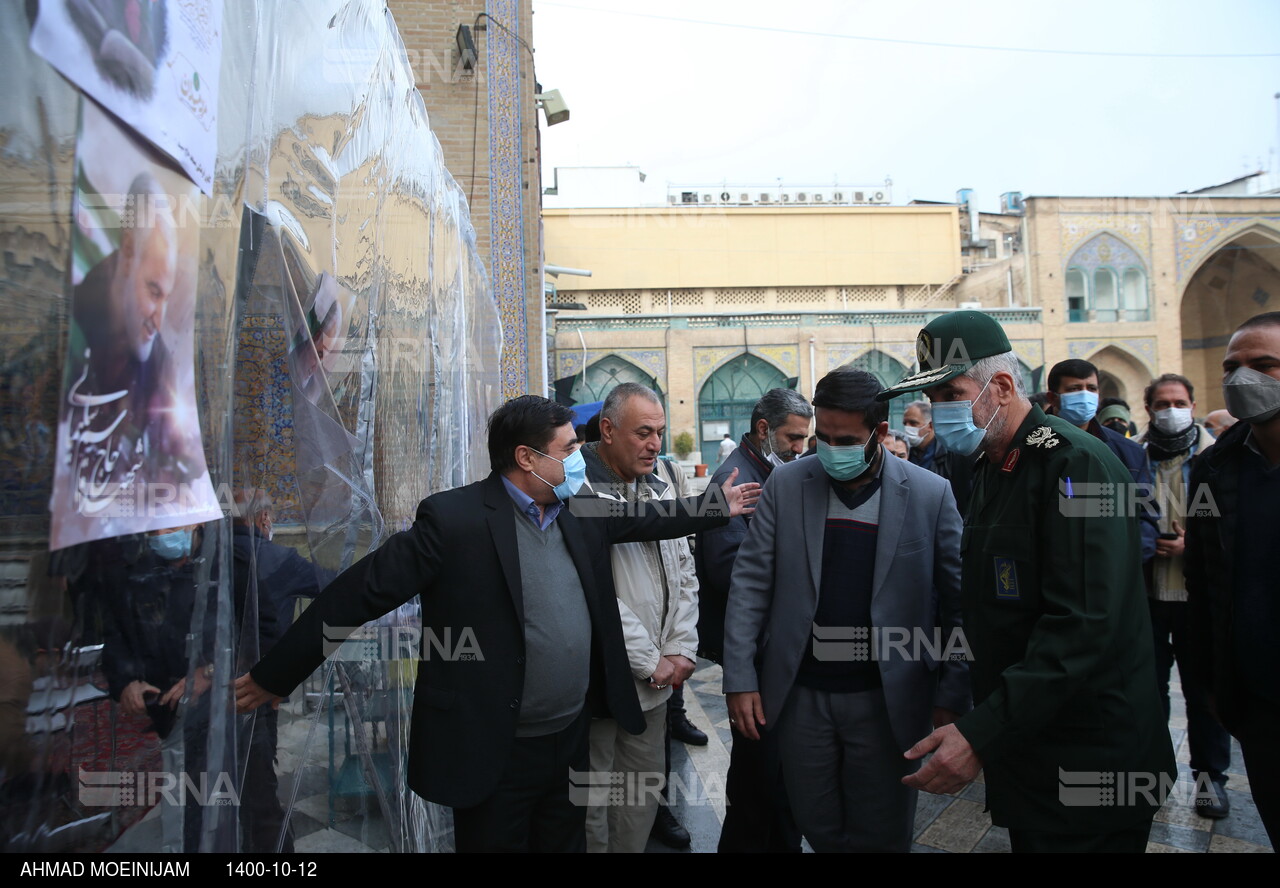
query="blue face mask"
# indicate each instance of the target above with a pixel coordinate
(575, 472)
(953, 424)
(844, 463)
(1078, 408)
(172, 545)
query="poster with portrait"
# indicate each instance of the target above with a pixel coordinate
(153, 63)
(128, 457)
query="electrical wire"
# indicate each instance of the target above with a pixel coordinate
(928, 43)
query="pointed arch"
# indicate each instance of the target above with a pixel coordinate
(1106, 279)
(1121, 374)
(888, 370)
(727, 397)
(1237, 279)
(603, 374)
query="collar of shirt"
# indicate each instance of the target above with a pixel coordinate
(541, 518)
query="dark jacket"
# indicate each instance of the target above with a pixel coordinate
(462, 558)
(1209, 567)
(715, 550)
(1134, 459)
(270, 578)
(947, 464)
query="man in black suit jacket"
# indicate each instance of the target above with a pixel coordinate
(495, 736)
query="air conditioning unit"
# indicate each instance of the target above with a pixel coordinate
(857, 197)
(745, 198)
(817, 198)
(764, 198)
(671, 198)
(725, 197)
(879, 196)
(786, 198)
(689, 197)
(706, 198)
(838, 197)
(800, 196)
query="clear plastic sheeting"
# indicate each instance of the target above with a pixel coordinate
(346, 359)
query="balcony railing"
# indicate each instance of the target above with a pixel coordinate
(883, 318)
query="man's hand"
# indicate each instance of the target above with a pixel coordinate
(1172, 548)
(954, 763)
(683, 665)
(250, 695)
(746, 712)
(131, 698)
(663, 674)
(742, 498)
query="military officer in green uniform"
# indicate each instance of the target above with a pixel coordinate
(1067, 723)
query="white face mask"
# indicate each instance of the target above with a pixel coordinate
(914, 435)
(1172, 420)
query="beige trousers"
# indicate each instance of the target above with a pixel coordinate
(635, 765)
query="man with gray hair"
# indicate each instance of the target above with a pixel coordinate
(657, 593)
(1063, 670)
(757, 817)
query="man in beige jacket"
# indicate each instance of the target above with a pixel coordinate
(657, 592)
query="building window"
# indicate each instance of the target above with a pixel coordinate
(1106, 281)
(1077, 296)
(1105, 304)
(1136, 306)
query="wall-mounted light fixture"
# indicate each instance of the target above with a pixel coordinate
(466, 48)
(553, 105)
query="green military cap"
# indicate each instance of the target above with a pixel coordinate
(948, 346)
(1115, 411)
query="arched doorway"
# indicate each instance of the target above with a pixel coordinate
(605, 374)
(728, 397)
(1237, 281)
(1120, 375)
(888, 371)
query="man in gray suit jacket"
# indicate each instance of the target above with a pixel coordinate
(848, 587)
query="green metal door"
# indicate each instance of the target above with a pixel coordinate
(728, 397)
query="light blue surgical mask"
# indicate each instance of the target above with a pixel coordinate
(575, 473)
(953, 424)
(172, 545)
(1079, 407)
(844, 463)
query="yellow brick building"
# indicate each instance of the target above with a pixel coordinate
(712, 306)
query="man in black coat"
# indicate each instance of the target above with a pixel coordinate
(498, 731)
(1233, 531)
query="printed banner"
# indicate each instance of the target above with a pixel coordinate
(129, 457)
(153, 63)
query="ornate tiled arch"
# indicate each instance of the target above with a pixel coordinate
(710, 358)
(651, 360)
(1142, 349)
(1198, 237)
(1133, 229)
(839, 354)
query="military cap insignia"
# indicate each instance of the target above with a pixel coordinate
(1044, 437)
(924, 351)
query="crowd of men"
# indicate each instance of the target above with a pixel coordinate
(996, 587)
